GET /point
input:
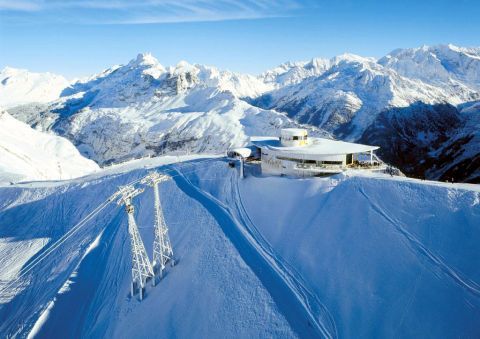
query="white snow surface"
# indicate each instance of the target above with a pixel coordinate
(356, 255)
(27, 154)
(19, 86)
(441, 64)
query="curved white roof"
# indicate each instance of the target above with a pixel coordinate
(293, 131)
(317, 146)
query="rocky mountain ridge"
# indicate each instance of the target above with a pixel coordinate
(412, 101)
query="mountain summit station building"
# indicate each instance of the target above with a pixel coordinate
(296, 154)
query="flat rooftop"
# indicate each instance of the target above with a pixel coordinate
(314, 146)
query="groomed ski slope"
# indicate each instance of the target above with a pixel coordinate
(348, 256)
(385, 257)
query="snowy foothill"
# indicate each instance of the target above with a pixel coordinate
(353, 255)
(19, 86)
(27, 154)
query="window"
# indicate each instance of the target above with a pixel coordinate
(289, 159)
(349, 158)
(330, 162)
(295, 137)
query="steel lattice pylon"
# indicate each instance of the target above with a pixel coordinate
(162, 248)
(141, 266)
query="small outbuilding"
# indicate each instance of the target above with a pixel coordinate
(240, 152)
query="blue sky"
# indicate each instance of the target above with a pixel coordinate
(78, 38)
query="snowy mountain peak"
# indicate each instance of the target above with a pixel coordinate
(454, 47)
(12, 71)
(290, 73)
(472, 51)
(349, 57)
(7, 70)
(145, 59)
(184, 65)
(148, 64)
(437, 65)
(318, 64)
(19, 86)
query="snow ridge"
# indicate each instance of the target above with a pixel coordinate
(28, 154)
(19, 86)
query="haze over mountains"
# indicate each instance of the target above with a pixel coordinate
(420, 105)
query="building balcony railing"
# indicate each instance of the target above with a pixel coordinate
(366, 165)
(319, 167)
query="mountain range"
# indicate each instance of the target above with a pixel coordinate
(420, 105)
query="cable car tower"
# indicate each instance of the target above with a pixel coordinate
(162, 248)
(141, 267)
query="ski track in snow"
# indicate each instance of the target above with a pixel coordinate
(82, 288)
(317, 311)
(470, 286)
(290, 292)
(64, 264)
(54, 317)
(274, 280)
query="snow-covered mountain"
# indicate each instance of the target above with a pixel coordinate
(291, 73)
(444, 65)
(342, 257)
(27, 154)
(19, 86)
(346, 98)
(411, 101)
(144, 108)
